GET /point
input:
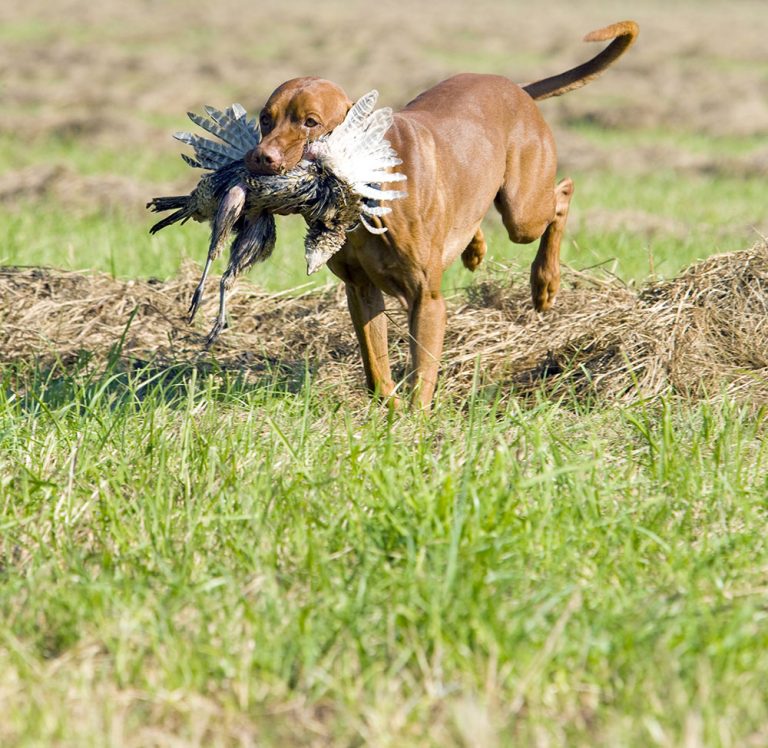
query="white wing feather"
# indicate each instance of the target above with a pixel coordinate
(377, 193)
(376, 210)
(358, 152)
(372, 229)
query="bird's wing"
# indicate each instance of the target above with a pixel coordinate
(237, 134)
(357, 152)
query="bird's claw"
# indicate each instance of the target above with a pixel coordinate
(197, 297)
(216, 330)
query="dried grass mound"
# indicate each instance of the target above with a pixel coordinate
(701, 334)
(63, 319)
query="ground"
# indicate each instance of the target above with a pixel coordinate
(239, 548)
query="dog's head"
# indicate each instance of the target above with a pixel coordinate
(298, 112)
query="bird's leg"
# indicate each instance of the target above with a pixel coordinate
(225, 286)
(197, 297)
(254, 243)
(230, 209)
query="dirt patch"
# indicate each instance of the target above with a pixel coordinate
(114, 71)
(701, 334)
(73, 190)
(579, 153)
(118, 78)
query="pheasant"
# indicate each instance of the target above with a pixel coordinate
(337, 184)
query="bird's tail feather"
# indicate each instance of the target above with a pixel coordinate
(178, 203)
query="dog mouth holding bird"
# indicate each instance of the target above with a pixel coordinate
(332, 177)
(298, 112)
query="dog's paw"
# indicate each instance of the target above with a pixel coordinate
(545, 283)
(475, 251)
(471, 259)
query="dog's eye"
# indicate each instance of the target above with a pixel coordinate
(311, 122)
(265, 121)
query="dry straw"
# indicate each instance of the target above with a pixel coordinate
(702, 334)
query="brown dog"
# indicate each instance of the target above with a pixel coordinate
(469, 142)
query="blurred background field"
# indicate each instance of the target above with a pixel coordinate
(240, 548)
(668, 150)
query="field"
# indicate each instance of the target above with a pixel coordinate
(238, 548)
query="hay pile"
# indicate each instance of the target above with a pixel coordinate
(703, 333)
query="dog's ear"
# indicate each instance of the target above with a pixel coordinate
(346, 105)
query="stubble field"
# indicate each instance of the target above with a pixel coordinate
(238, 548)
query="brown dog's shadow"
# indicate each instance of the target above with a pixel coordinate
(125, 383)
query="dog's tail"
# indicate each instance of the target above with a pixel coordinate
(623, 34)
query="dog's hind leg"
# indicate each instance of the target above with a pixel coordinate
(545, 270)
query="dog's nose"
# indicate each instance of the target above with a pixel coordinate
(264, 160)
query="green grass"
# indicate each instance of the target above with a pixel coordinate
(281, 556)
(117, 241)
(140, 163)
(708, 213)
(201, 560)
(120, 244)
(681, 140)
(21, 32)
(469, 53)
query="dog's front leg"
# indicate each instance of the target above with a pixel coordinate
(366, 307)
(426, 325)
